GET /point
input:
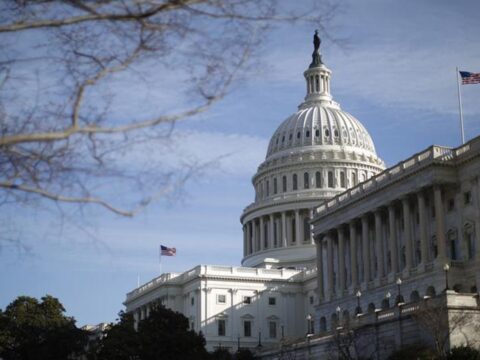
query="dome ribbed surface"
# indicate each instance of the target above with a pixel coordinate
(323, 126)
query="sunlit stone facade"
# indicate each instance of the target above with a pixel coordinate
(323, 200)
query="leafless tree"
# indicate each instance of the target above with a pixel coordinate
(440, 322)
(352, 342)
(66, 66)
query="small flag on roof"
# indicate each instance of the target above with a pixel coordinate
(470, 78)
(167, 251)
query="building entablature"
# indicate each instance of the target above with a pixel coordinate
(200, 272)
(436, 158)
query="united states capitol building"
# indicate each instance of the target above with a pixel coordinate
(335, 240)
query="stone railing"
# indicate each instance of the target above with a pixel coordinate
(212, 270)
(432, 154)
(427, 156)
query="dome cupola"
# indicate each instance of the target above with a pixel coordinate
(315, 154)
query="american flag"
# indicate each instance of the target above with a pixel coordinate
(166, 251)
(470, 78)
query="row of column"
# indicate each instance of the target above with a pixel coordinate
(268, 232)
(386, 248)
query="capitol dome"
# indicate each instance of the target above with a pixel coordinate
(314, 155)
(318, 125)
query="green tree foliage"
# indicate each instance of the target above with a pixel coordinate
(32, 329)
(163, 335)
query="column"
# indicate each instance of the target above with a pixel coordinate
(439, 224)
(320, 291)
(422, 219)
(288, 223)
(284, 229)
(271, 232)
(262, 234)
(245, 240)
(254, 236)
(331, 288)
(341, 259)
(297, 227)
(353, 253)
(366, 250)
(249, 239)
(392, 244)
(407, 233)
(379, 243)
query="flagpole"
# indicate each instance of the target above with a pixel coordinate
(160, 252)
(460, 107)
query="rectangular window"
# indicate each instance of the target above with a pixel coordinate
(275, 186)
(306, 229)
(247, 328)
(272, 301)
(221, 299)
(311, 300)
(467, 197)
(451, 205)
(192, 301)
(221, 327)
(247, 299)
(272, 329)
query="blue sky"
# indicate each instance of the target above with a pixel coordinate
(395, 73)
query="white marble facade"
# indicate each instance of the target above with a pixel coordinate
(371, 227)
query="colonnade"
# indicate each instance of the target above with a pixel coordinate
(275, 230)
(390, 240)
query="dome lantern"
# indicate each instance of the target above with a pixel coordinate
(317, 77)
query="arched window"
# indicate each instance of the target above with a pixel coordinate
(283, 138)
(317, 133)
(431, 291)
(354, 179)
(284, 183)
(275, 189)
(386, 303)
(330, 179)
(298, 135)
(306, 181)
(342, 180)
(346, 317)
(307, 134)
(334, 321)
(327, 133)
(371, 308)
(414, 296)
(323, 324)
(294, 182)
(318, 179)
